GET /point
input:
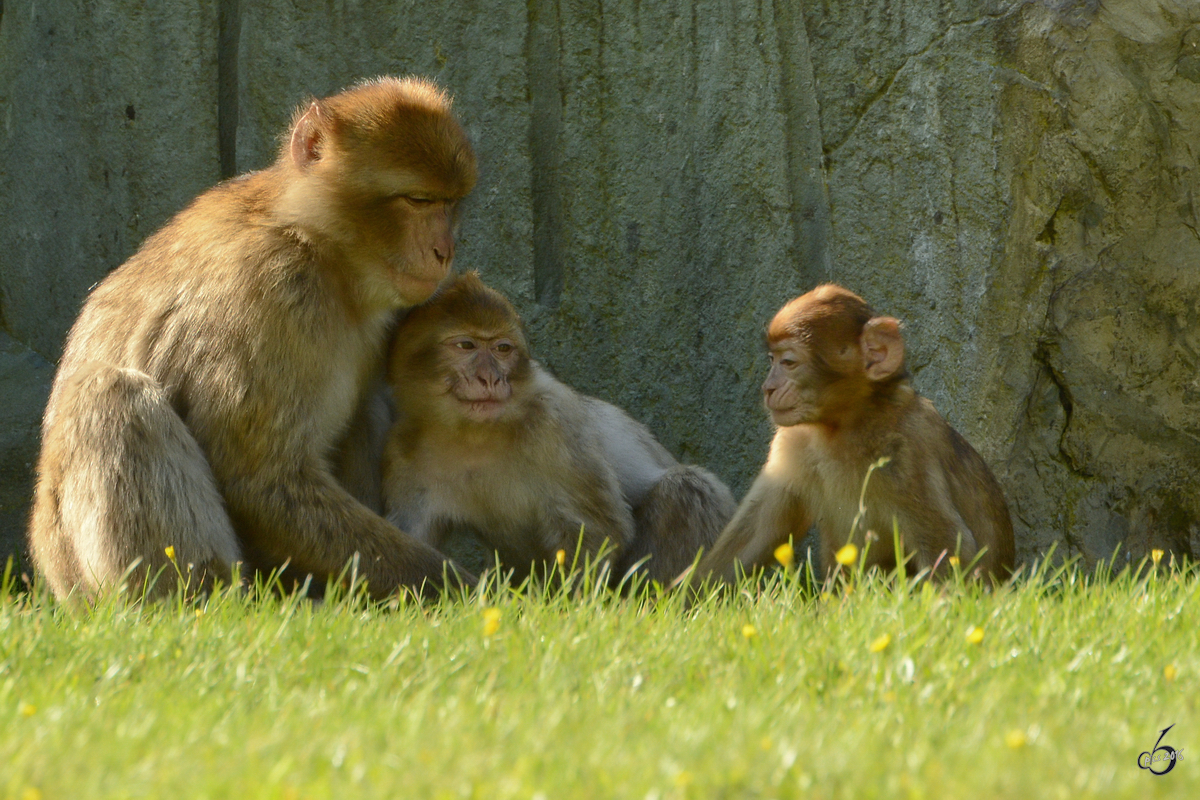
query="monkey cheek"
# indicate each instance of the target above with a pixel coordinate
(792, 415)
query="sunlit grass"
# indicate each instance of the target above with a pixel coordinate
(1050, 687)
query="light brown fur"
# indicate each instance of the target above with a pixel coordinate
(536, 461)
(205, 386)
(841, 399)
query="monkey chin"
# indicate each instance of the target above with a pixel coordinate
(789, 417)
(416, 289)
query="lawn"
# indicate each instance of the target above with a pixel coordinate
(1049, 687)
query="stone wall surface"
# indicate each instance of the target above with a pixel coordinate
(1013, 179)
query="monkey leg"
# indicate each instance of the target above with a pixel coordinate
(121, 480)
(685, 511)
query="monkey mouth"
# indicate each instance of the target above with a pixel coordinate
(485, 410)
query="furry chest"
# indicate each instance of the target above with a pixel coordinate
(491, 498)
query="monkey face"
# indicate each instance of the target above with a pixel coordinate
(418, 244)
(478, 373)
(403, 237)
(813, 383)
(462, 355)
(379, 171)
(828, 355)
(794, 386)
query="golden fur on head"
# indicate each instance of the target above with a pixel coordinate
(827, 313)
(466, 299)
(404, 124)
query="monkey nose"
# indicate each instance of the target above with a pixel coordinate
(443, 251)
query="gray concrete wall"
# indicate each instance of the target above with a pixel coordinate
(1013, 179)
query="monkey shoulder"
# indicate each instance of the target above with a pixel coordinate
(222, 227)
(551, 418)
(930, 428)
(960, 460)
(592, 438)
(626, 444)
(930, 449)
(220, 263)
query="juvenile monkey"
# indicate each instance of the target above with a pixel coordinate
(841, 399)
(487, 439)
(206, 384)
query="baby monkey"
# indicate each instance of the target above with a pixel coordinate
(488, 440)
(840, 397)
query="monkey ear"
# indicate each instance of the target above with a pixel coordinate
(882, 347)
(307, 134)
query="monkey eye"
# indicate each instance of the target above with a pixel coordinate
(505, 347)
(788, 362)
(465, 344)
(420, 201)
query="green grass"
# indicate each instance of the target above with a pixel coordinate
(585, 694)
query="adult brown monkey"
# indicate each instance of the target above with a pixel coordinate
(207, 381)
(841, 398)
(487, 439)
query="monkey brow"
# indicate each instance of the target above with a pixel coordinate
(484, 334)
(803, 333)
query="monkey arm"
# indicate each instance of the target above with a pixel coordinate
(588, 509)
(593, 517)
(980, 501)
(357, 461)
(403, 490)
(304, 516)
(766, 517)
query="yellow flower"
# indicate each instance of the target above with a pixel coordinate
(749, 631)
(785, 555)
(881, 644)
(32, 793)
(954, 561)
(683, 779)
(765, 744)
(26, 709)
(974, 634)
(491, 621)
(1015, 739)
(847, 555)
(561, 557)
(1169, 672)
(1156, 556)
(170, 551)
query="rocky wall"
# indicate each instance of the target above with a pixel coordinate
(1013, 179)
